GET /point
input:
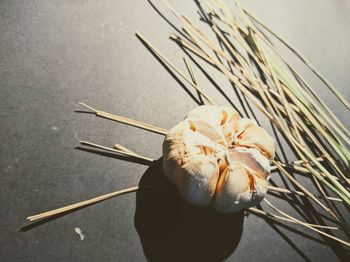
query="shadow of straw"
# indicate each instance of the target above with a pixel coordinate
(172, 230)
(341, 252)
(285, 238)
(167, 20)
(114, 155)
(209, 78)
(166, 67)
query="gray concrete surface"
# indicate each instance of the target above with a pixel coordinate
(56, 53)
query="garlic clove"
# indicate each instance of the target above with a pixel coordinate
(240, 189)
(174, 148)
(252, 159)
(229, 115)
(229, 122)
(187, 165)
(206, 120)
(242, 124)
(212, 115)
(213, 121)
(207, 130)
(256, 136)
(199, 179)
(260, 190)
(233, 190)
(193, 139)
(196, 180)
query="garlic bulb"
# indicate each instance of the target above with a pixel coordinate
(216, 158)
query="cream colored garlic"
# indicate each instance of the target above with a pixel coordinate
(216, 158)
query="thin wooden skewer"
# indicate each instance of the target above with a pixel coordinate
(126, 120)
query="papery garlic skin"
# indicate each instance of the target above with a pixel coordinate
(216, 158)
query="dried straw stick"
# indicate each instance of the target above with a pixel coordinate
(81, 204)
(256, 211)
(307, 192)
(194, 80)
(94, 200)
(302, 162)
(126, 120)
(123, 152)
(287, 191)
(123, 148)
(306, 225)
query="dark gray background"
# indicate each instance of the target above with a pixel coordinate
(56, 53)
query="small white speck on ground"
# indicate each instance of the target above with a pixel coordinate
(54, 128)
(78, 231)
(37, 190)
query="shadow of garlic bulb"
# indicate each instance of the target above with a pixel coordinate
(215, 157)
